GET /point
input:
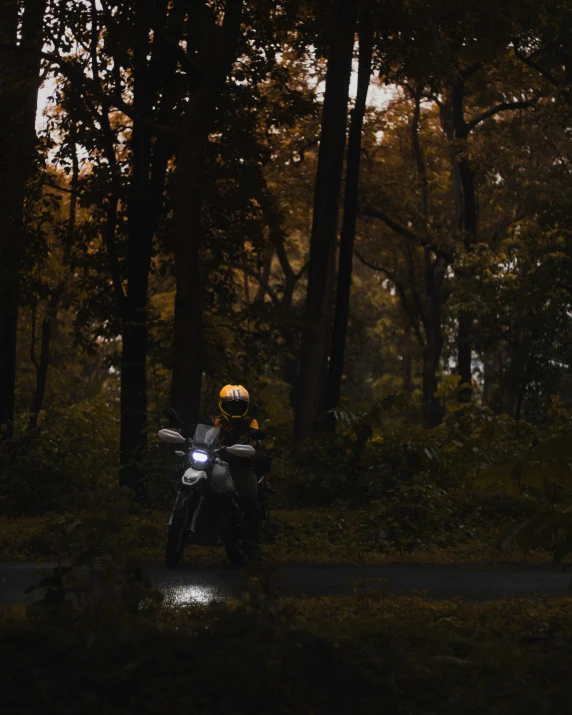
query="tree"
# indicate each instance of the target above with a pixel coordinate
(458, 130)
(309, 398)
(341, 314)
(56, 296)
(213, 52)
(418, 269)
(125, 52)
(19, 84)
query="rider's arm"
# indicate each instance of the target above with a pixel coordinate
(256, 443)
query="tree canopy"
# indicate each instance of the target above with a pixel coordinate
(333, 203)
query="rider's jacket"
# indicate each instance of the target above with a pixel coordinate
(236, 432)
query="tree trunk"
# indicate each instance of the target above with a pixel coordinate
(188, 327)
(266, 268)
(313, 369)
(466, 225)
(43, 365)
(466, 318)
(291, 278)
(432, 409)
(216, 63)
(341, 315)
(491, 379)
(407, 358)
(49, 321)
(464, 353)
(19, 84)
(149, 169)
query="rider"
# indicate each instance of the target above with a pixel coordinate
(235, 425)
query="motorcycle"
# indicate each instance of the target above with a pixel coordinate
(207, 509)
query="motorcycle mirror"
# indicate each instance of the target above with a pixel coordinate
(170, 436)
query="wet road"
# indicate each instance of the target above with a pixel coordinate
(202, 585)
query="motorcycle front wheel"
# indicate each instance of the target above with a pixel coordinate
(177, 536)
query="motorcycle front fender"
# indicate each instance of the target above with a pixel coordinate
(191, 477)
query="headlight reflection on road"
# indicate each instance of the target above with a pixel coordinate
(188, 595)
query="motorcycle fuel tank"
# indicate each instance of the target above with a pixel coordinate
(192, 476)
(221, 479)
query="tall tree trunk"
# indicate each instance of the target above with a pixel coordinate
(19, 84)
(464, 192)
(407, 358)
(313, 369)
(432, 409)
(291, 278)
(434, 275)
(466, 318)
(265, 272)
(149, 168)
(52, 313)
(342, 309)
(491, 379)
(215, 63)
(188, 327)
(44, 362)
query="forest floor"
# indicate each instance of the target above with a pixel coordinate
(364, 653)
(466, 528)
(370, 648)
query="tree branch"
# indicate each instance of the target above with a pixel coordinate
(400, 288)
(393, 225)
(535, 66)
(301, 272)
(248, 270)
(373, 266)
(398, 228)
(58, 188)
(502, 107)
(471, 69)
(302, 152)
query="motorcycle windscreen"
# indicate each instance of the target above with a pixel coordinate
(205, 436)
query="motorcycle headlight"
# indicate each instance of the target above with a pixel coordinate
(200, 457)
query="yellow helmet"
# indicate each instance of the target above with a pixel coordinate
(234, 401)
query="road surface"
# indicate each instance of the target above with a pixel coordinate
(189, 585)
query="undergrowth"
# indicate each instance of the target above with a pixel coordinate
(454, 527)
(363, 653)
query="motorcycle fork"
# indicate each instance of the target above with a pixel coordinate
(195, 518)
(179, 496)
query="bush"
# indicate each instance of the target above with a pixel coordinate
(47, 469)
(372, 456)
